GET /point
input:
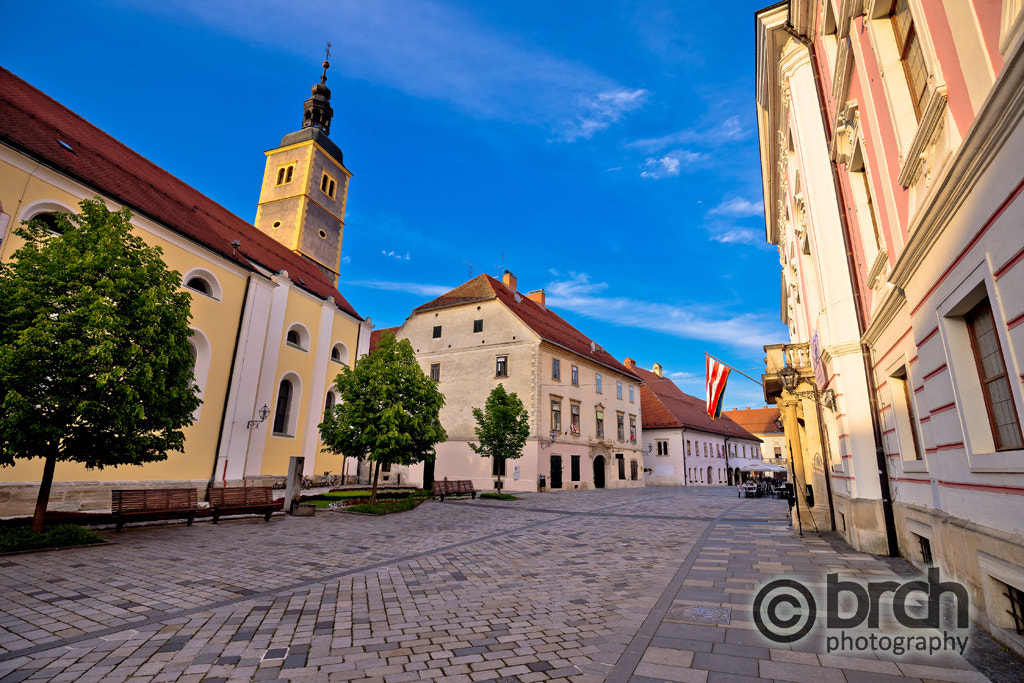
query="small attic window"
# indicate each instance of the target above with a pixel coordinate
(198, 285)
(202, 281)
(65, 145)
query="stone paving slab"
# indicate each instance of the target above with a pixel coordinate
(637, 584)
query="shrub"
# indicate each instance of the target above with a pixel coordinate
(14, 539)
(499, 496)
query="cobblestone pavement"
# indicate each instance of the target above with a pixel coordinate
(621, 585)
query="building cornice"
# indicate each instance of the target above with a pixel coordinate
(892, 304)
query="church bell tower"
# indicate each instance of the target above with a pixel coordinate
(305, 186)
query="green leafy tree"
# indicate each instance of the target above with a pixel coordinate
(388, 410)
(502, 427)
(95, 363)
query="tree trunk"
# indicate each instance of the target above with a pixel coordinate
(501, 466)
(44, 494)
(373, 491)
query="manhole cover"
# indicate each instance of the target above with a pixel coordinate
(701, 615)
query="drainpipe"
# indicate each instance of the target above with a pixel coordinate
(876, 428)
(682, 446)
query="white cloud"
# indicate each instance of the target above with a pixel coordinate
(346, 259)
(738, 207)
(600, 111)
(740, 236)
(656, 169)
(416, 288)
(670, 165)
(397, 256)
(728, 130)
(430, 50)
(583, 297)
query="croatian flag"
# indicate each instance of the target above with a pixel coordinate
(717, 374)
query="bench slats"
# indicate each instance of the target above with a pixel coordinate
(153, 502)
(454, 487)
(254, 498)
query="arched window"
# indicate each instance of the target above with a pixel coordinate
(199, 285)
(297, 337)
(283, 410)
(199, 346)
(280, 176)
(329, 402)
(339, 353)
(288, 176)
(202, 281)
(49, 221)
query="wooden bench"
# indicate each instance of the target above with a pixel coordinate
(152, 503)
(256, 499)
(456, 487)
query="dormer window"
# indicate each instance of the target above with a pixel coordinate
(327, 185)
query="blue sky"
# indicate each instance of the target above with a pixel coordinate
(603, 151)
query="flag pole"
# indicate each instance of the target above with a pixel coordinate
(734, 369)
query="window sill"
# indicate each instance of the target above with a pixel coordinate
(282, 435)
(915, 466)
(296, 347)
(997, 461)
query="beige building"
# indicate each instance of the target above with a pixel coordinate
(269, 326)
(683, 445)
(584, 406)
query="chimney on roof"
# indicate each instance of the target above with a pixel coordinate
(630, 363)
(509, 280)
(658, 371)
(537, 295)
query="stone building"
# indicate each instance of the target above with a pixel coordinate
(270, 328)
(683, 445)
(584, 406)
(891, 141)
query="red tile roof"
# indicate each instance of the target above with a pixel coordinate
(376, 334)
(36, 125)
(756, 420)
(664, 405)
(551, 327)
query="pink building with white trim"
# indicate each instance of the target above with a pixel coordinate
(893, 166)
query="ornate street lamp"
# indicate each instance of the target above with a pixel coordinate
(264, 414)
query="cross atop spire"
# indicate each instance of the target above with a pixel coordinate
(317, 112)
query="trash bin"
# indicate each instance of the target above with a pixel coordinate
(543, 482)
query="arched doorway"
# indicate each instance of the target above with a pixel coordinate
(710, 475)
(599, 472)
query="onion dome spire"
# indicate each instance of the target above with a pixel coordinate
(317, 112)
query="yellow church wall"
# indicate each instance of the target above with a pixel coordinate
(216, 320)
(305, 310)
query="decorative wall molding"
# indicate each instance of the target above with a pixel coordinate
(843, 71)
(927, 128)
(1010, 23)
(996, 121)
(881, 261)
